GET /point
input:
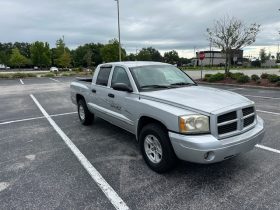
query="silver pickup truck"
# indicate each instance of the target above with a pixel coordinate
(170, 115)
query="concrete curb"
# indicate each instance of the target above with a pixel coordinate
(242, 86)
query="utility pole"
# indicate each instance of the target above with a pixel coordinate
(119, 31)
(211, 56)
(136, 54)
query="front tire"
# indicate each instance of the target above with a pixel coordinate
(156, 148)
(85, 116)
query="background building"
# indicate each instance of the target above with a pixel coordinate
(217, 58)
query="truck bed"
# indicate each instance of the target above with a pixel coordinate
(85, 79)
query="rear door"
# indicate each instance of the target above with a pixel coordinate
(99, 102)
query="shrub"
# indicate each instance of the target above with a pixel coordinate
(78, 69)
(5, 76)
(65, 74)
(235, 76)
(206, 76)
(255, 77)
(273, 78)
(278, 83)
(71, 74)
(243, 79)
(31, 75)
(216, 77)
(258, 82)
(264, 75)
(48, 75)
(19, 75)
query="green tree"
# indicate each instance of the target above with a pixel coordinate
(64, 60)
(256, 63)
(88, 58)
(264, 56)
(79, 54)
(24, 48)
(58, 52)
(40, 54)
(277, 57)
(4, 58)
(5, 52)
(17, 59)
(60, 47)
(131, 57)
(149, 54)
(110, 51)
(231, 34)
(171, 57)
(184, 61)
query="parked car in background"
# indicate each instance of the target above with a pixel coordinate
(53, 69)
(35, 68)
(2, 66)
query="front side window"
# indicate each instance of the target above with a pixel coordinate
(160, 76)
(120, 76)
(103, 76)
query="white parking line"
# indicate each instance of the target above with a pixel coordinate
(35, 118)
(235, 89)
(275, 113)
(21, 81)
(62, 114)
(54, 80)
(268, 148)
(114, 198)
(265, 97)
(22, 120)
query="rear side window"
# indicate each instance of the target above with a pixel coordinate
(103, 76)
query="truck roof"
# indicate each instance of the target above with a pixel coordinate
(135, 63)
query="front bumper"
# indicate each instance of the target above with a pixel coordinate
(207, 149)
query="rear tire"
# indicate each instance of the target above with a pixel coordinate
(85, 116)
(156, 148)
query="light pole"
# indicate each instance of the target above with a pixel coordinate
(119, 31)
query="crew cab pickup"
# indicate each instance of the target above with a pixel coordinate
(171, 116)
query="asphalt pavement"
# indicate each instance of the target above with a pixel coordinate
(38, 169)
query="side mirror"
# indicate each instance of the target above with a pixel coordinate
(122, 87)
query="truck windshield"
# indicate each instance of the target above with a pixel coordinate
(160, 77)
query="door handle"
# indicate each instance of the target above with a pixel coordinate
(93, 90)
(111, 95)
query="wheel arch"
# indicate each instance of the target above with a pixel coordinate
(144, 120)
(79, 97)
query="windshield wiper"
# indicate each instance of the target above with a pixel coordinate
(155, 86)
(182, 83)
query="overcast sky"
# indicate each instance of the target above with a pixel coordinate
(163, 24)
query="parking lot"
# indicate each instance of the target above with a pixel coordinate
(39, 168)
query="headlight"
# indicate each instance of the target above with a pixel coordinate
(194, 124)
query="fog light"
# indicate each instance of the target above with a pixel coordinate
(209, 156)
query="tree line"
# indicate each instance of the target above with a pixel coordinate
(227, 34)
(28, 55)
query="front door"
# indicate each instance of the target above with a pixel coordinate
(120, 101)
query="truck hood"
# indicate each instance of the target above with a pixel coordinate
(204, 99)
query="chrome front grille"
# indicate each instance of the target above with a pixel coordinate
(248, 116)
(227, 117)
(235, 122)
(222, 129)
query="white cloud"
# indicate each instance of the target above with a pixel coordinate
(165, 24)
